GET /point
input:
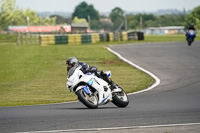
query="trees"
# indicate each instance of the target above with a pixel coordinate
(133, 21)
(77, 20)
(193, 17)
(83, 10)
(139, 21)
(117, 17)
(7, 9)
(117, 14)
(59, 19)
(171, 20)
(12, 16)
(149, 20)
(7, 5)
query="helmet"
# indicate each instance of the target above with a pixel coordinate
(72, 62)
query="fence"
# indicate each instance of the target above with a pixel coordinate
(8, 37)
(27, 38)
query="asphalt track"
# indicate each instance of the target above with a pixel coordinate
(176, 100)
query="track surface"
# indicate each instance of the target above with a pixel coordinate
(175, 101)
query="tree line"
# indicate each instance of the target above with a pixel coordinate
(135, 21)
(87, 13)
(13, 16)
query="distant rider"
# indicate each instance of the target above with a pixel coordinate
(73, 62)
(191, 27)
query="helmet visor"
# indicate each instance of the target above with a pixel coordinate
(71, 71)
(69, 66)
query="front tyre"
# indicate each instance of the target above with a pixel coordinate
(189, 42)
(120, 99)
(89, 101)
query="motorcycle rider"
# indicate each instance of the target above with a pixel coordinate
(191, 27)
(73, 62)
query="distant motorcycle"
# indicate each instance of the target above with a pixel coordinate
(190, 36)
(93, 91)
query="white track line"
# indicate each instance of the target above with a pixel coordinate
(157, 80)
(114, 128)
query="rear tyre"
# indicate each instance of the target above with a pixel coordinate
(120, 99)
(88, 100)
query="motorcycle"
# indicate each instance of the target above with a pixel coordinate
(190, 36)
(93, 91)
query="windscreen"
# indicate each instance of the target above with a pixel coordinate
(71, 71)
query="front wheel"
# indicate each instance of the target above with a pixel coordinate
(120, 99)
(89, 101)
(190, 40)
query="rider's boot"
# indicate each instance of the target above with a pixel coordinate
(112, 85)
(107, 79)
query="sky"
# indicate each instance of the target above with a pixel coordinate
(108, 5)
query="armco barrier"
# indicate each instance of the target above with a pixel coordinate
(136, 35)
(111, 37)
(95, 37)
(51, 39)
(43, 40)
(140, 35)
(61, 39)
(47, 40)
(71, 38)
(85, 38)
(124, 36)
(77, 39)
(119, 36)
(101, 37)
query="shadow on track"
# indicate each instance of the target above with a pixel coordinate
(82, 108)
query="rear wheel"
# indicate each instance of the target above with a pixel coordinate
(120, 99)
(91, 101)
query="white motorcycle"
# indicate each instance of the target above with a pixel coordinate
(93, 91)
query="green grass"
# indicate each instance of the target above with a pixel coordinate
(32, 75)
(168, 38)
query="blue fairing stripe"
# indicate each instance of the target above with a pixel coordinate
(105, 99)
(86, 90)
(91, 81)
(109, 75)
